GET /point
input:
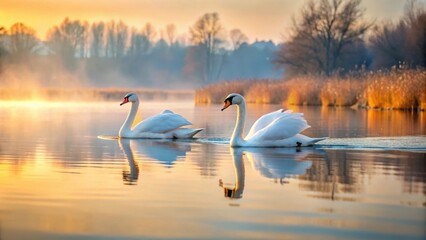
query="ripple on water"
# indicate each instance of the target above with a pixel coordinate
(416, 143)
(213, 140)
(108, 137)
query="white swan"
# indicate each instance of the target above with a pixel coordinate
(164, 125)
(277, 129)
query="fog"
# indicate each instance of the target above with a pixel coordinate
(153, 72)
(113, 55)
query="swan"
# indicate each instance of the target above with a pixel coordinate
(276, 129)
(164, 125)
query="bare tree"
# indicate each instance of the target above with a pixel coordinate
(171, 34)
(141, 41)
(237, 38)
(148, 33)
(403, 42)
(206, 34)
(324, 32)
(3, 34)
(3, 49)
(416, 38)
(85, 46)
(117, 34)
(23, 41)
(68, 40)
(98, 39)
(136, 43)
(386, 44)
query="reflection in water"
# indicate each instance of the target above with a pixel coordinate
(342, 172)
(337, 175)
(347, 122)
(54, 173)
(165, 152)
(129, 177)
(274, 163)
(235, 191)
(395, 123)
(279, 163)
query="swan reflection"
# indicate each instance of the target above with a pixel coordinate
(279, 163)
(236, 190)
(273, 163)
(163, 152)
(129, 177)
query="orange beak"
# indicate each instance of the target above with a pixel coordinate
(126, 100)
(226, 105)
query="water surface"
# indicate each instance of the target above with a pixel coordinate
(60, 180)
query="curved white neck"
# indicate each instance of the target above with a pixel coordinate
(130, 118)
(237, 138)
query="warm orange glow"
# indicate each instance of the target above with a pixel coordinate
(268, 19)
(45, 14)
(37, 95)
(35, 103)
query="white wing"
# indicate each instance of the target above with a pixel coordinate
(283, 127)
(266, 119)
(161, 123)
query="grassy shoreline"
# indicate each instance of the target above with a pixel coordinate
(396, 89)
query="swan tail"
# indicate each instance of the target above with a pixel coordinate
(315, 140)
(167, 111)
(186, 132)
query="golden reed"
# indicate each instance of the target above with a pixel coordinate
(395, 89)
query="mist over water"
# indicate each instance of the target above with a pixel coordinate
(163, 66)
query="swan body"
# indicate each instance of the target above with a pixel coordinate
(277, 129)
(164, 125)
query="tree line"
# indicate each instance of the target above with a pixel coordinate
(115, 54)
(332, 37)
(327, 37)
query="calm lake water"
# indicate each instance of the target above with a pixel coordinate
(60, 180)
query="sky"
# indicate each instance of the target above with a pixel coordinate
(258, 19)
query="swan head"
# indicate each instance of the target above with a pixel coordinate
(130, 97)
(233, 98)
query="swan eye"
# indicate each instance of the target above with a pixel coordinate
(229, 99)
(128, 96)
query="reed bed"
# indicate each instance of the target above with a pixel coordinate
(395, 89)
(216, 93)
(399, 90)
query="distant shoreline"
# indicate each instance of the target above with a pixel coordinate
(91, 94)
